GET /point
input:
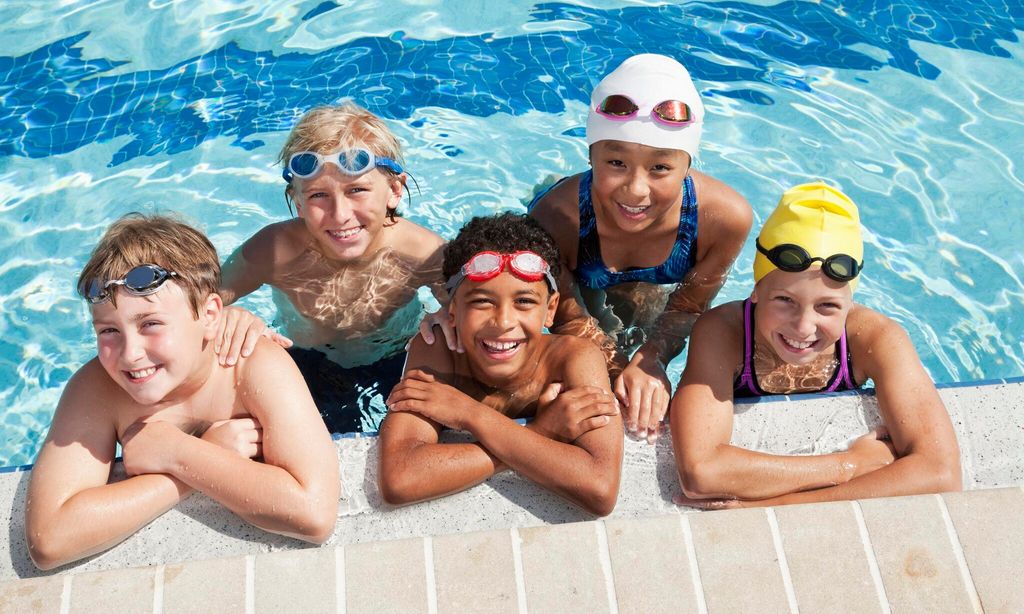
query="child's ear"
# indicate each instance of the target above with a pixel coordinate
(210, 311)
(397, 187)
(451, 312)
(549, 319)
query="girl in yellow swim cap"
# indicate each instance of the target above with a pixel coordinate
(801, 332)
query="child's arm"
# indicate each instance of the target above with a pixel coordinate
(72, 512)
(294, 491)
(248, 268)
(724, 223)
(927, 454)
(702, 417)
(558, 213)
(585, 472)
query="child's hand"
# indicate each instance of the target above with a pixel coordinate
(145, 447)
(644, 391)
(242, 435)
(421, 393)
(238, 333)
(565, 416)
(871, 451)
(440, 318)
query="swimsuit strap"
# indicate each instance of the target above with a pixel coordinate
(842, 379)
(747, 381)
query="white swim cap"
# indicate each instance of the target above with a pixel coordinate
(648, 79)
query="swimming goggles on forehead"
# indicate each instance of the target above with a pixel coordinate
(525, 265)
(306, 164)
(793, 259)
(669, 112)
(142, 280)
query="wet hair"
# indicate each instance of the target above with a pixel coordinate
(162, 240)
(327, 129)
(504, 233)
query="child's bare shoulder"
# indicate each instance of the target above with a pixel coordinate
(721, 203)
(278, 242)
(560, 204)
(90, 395)
(415, 241)
(721, 325)
(865, 327)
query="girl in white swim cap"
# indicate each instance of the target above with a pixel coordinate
(801, 332)
(628, 230)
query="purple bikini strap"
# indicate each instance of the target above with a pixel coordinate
(747, 377)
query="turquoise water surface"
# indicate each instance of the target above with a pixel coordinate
(110, 107)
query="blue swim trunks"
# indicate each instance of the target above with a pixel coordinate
(350, 400)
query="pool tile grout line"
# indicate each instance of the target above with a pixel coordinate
(517, 565)
(958, 554)
(340, 596)
(158, 590)
(65, 595)
(604, 557)
(250, 584)
(869, 552)
(431, 578)
(780, 553)
(691, 555)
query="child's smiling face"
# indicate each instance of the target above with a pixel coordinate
(152, 345)
(636, 185)
(500, 322)
(800, 315)
(345, 214)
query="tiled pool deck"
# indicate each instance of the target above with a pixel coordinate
(506, 546)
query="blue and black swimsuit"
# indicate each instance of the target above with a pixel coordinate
(591, 270)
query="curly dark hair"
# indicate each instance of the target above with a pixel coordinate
(504, 233)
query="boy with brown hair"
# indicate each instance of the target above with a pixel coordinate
(248, 436)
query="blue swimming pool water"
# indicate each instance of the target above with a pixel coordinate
(915, 109)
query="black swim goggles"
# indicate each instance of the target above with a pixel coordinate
(142, 280)
(793, 259)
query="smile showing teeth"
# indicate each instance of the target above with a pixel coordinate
(799, 345)
(345, 234)
(142, 373)
(500, 346)
(633, 210)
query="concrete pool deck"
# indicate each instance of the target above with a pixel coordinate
(491, 548)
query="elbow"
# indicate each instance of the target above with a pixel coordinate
(947, 475)
(396, 487)
(319, 529)
(699, 479)
(46, 552)
(600, 500)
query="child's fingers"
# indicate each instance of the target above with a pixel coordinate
(427, 330)
(281, 340)
(252, 337)
(549, 393)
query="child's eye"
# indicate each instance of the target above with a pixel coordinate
(617, 163)
(783, 299)
(528, 302)
(151, 323)
(318, 195)
(830, 306)
(106, 331)
(661, 168)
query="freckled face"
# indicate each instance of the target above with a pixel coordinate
(500, 321)
(800, 315)
(345, 214)
(152, 345)
(635, 186)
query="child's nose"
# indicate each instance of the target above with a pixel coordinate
(133, 348)
(806, 322)
(503, 316)
(637, 186)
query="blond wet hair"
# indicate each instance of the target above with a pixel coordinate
(327, 129)
(162, 240)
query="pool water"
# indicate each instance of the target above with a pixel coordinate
(915, 111)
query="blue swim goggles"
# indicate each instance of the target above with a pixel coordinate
(353, 162)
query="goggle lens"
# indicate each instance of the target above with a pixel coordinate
(527, 266)
(673, 112)
(304, 164)
(618, 106)
(354, 162)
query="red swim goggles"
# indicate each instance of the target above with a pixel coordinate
(525, 265)
(622, 108)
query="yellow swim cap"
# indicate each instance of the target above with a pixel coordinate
(818, 218)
